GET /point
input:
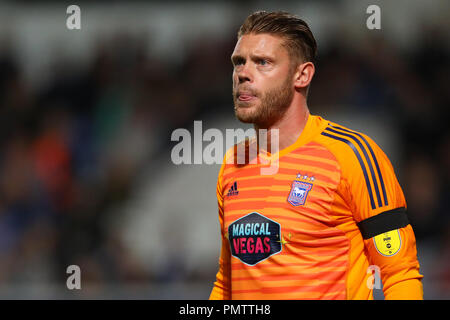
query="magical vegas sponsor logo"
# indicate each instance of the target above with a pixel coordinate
(253, 238)
(244, 240)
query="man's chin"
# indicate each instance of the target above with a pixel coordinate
(244, 119)
(244, 114)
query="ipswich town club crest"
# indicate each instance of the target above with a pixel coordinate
(299, 190)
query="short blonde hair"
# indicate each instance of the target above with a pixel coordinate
(299, 40)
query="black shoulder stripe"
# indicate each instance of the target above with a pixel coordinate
(383, 222)
(374, 159)
(369, 163)
(361, 163)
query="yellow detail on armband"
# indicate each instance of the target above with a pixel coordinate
(388, 243)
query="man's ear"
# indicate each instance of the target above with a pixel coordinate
(304, 75)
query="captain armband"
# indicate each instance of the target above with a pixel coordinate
(383, 228)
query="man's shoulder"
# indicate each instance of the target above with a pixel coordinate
(349, 146)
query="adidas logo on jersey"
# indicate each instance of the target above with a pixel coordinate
(233, 190)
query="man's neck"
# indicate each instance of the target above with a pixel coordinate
(288, 128)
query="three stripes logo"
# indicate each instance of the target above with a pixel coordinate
(351, 138)
(233, 191)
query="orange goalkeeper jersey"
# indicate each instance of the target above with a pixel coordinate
(315, 229)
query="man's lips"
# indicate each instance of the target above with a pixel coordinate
(244, 96)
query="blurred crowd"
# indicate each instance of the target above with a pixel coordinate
(71, 150)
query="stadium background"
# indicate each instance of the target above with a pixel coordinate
(86, 118)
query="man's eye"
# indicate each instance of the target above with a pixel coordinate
(262, 62)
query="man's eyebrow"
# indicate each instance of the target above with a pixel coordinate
(258, 56)
(236, 58)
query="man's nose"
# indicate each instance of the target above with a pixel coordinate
(244, 73)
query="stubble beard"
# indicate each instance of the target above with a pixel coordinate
(273, 105)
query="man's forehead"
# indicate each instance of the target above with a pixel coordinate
(263, 43)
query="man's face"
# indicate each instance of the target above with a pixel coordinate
(262, 79)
